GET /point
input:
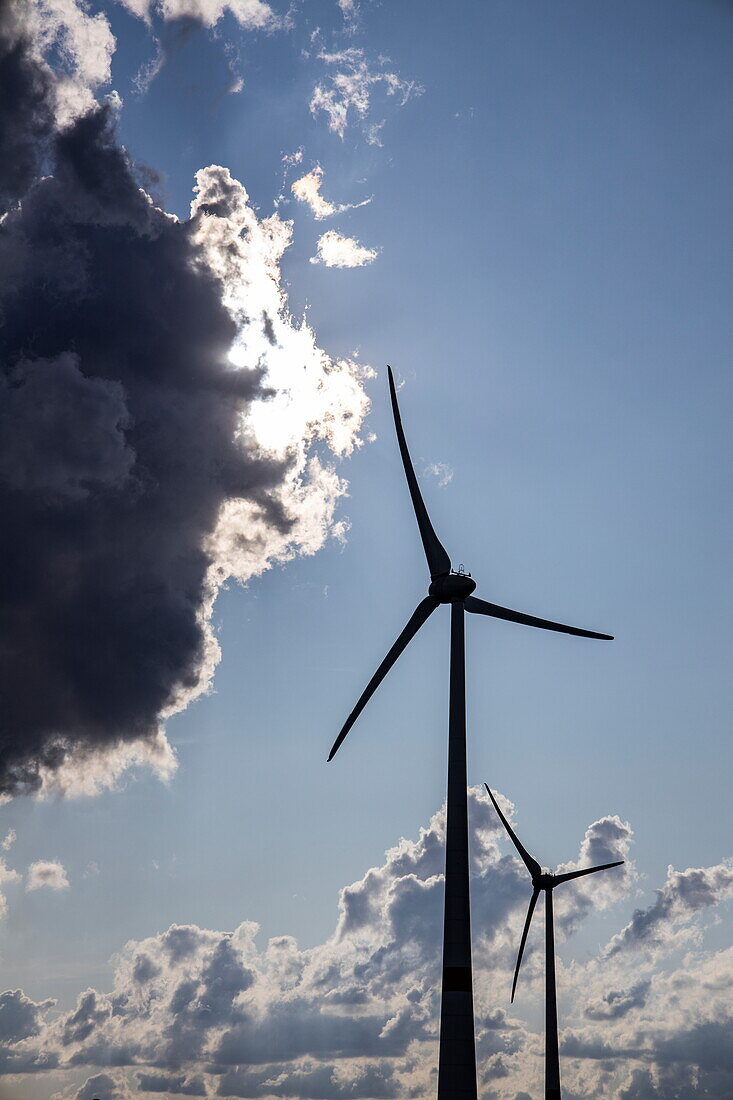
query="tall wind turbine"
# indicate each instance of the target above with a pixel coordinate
(457, 1059)
(543, 880)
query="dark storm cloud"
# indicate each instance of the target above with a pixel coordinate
(26, 111)
(119, 414)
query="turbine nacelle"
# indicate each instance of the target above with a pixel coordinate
(447, 586)
(542, 879)
(452, 586)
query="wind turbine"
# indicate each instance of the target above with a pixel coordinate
(457, 1058)
(543, 880)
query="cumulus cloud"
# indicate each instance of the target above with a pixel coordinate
(684, 894)
(250, 14)
(345, 94)
(48, 873)
(197, 1012)
(337, 251)
(166, 425)
(308, 190)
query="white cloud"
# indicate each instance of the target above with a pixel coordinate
(308, 190)
(7, 875)
(86, 772)
(346, 92)
(9, 841)
(337, 251)
(350, 12)
(48, 873)
(250, 14)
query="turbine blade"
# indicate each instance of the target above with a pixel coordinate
(481, 607)
(531, 864)
(528, 921)
(586, 871)
(438, 560)
(419, 616)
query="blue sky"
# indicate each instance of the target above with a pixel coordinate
(549, 203)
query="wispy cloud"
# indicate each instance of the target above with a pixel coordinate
(441, 471)
(307, 189)
(345, 95)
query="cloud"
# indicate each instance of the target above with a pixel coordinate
(9, 841)
(103, 1087)
(250, 14)
(684, 894)
(7, 875)
(308, 190)
(46, 873)
(20, 1017)
(198, 1012)
(337, 251)
(619, 1002)
(351, 14)
(54, 55)
(166, 425)
(441, 471)
(345, 95)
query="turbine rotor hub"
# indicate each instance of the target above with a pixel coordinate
(452, 586)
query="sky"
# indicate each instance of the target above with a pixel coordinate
(220, 221)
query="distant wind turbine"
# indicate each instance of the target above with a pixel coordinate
(457, 1058)
(543, 880)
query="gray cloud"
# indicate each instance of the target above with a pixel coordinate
(99, 1087)
(178, 1084)
(20, 1017)
(138, 466)
(684, 894)
(26, 106)
(373, 1080)
(619, 1002)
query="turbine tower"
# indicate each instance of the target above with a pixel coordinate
(457, 1059)
(543, 880)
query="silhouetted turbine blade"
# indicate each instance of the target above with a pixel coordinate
(531, 864)
(438, 560)
(481, 607)
(528, 921)
(420, 615)
(587, 871)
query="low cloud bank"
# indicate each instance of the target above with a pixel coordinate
(197, 1012)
